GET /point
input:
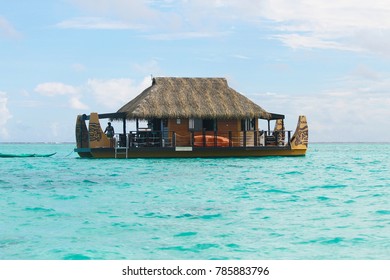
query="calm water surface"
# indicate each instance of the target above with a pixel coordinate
(332, 204)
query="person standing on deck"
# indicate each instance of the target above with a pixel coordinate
(109, 131)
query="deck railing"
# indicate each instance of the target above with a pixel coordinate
(166, 139)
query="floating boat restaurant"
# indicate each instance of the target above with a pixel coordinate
(191, 117)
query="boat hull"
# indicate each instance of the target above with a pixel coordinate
(189, 152)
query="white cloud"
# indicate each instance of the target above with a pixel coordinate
(78, 67)
(55, 88)
(147, 68)
(184, 35)
(96, 23)
(5, 115)
(7, 29)
(351, 25)
(162, 20)
(335, 117)
(108, 93)
(134, 11)
(357, 109)
(296, 41)
(75, 103)
(54, 129)
(354, 25)
(240, 56)
(113, 93)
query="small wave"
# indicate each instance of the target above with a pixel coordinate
(293, 173)
(76, 257)
(199, 215)
(174, 248)
(323, 198)
(39, 209)
(9, 242)
(186, 215)
(205, 246)
(186, 233)
(86, 181)
(383, 212)
(333, 186)
(150, 214)
(120, 225)
(275, 191)
(233, 246)
(65, 197)
(210, 216)
(156, 215)
(335, 240)
(358, 240)
(322, 241)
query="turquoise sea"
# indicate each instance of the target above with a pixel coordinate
(334, 203)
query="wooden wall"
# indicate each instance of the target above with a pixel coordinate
(183, 135)
(229, 125)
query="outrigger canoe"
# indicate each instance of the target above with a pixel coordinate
(25, 155)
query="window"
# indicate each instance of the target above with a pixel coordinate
(209, 125)
(195, 124)
(248, 124)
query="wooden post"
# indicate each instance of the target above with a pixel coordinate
(255, 136)
(230, 138)
(124, 125)
(269, 127)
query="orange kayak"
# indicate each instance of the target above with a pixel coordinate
(211, 141)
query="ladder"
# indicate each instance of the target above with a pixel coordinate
(121, 150)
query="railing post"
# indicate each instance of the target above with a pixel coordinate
(127, 144)
(244, 138)
(215, 139)
(174, 139)
(204, 138)
(230, 138)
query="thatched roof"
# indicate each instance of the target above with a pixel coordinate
(192, 98)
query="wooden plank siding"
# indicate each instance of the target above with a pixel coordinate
(183, 135)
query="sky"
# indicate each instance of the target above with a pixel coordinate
(326, 59)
